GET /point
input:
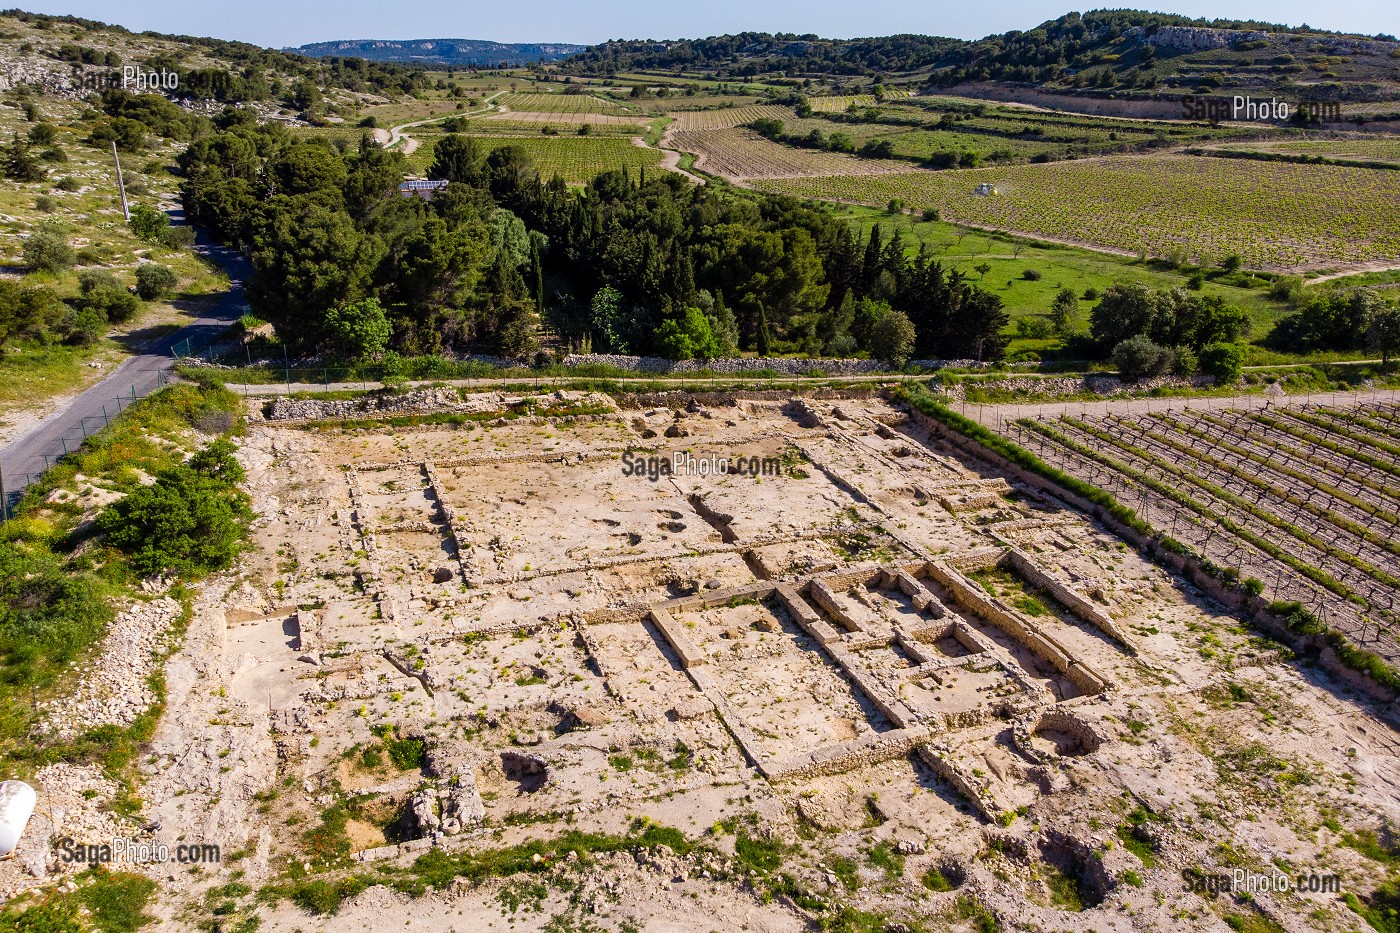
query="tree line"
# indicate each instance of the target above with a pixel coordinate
(635, 264)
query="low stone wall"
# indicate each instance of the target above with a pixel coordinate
(1075, 601)
(863, 752)
(365, 406)
(938, 761)
(1018, 627)
(1059, 720)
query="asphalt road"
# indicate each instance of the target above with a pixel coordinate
(29, 454)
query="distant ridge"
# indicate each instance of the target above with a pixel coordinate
(441, 51)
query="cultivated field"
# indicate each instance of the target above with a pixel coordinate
(841, 102)
(1378, 149)
(729, 117)
(1273, 215)
(558, 103)
(1305, 499)
(576, 159)
(742, 154)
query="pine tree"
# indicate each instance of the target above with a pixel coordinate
(763, 341)
(536, 276)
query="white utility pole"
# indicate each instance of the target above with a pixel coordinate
(121, 188)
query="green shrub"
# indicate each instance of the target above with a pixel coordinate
(406, 754)
(148, 223)
(187, 521)
(1224, 361)
(1139, 358)
(154, 281)
(47, 251)
(100, 291)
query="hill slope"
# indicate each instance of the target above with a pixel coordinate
(1124, 53)
(441, 51)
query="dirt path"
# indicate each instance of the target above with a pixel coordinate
(997, 416)
(1380, 265)
(397, 135)
(670, 160)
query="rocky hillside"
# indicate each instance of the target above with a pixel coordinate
(442, 51)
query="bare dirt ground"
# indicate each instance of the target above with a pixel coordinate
(867, 682)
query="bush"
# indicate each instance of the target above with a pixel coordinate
(1139, 358)
(189, 521)
(892, 339)
(1031, 275)
(42, 134)
(179, 237)
(47, 251)
(359, 330)
(1224, 361)
(100, 291)
(154, 282)
(148, 223)
(68, 183)
(1034, 327)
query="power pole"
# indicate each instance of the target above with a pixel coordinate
(121, 187)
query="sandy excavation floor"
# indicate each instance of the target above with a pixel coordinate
(925, 694)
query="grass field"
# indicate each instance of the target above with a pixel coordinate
(1058, 266)
(1275, 216)
(576, 159)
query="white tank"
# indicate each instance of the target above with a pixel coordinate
(17, 801)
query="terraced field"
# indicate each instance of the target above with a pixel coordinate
(1275, 216)
(559, 103)
(840, 102)
(730, 117)
(1304, 499)
(742, 154)
(533, 124)
(1379, 149)
(576, 159)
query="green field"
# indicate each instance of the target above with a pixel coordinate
(1275, 216)
(576, 159)
(1058, 267)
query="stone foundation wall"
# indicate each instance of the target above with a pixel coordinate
(1018, 627)
(1072, 599)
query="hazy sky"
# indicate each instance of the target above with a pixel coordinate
(281, 23)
